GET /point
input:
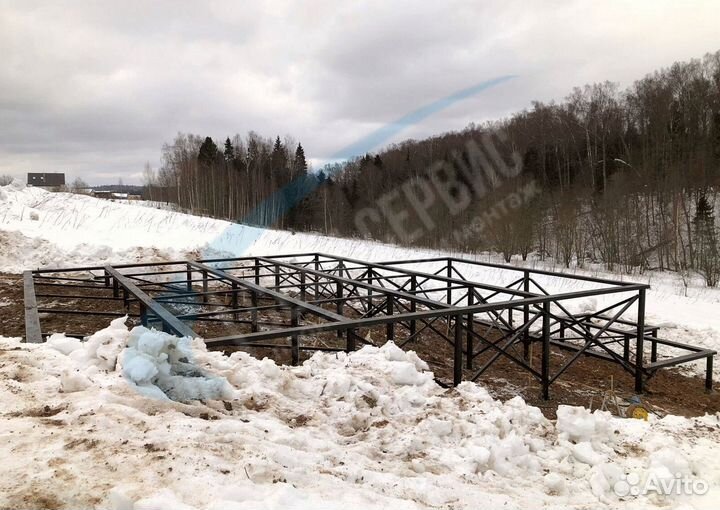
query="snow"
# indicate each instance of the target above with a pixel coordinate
(139, 419)
(339, 431)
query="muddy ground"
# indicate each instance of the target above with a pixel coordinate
(586, 383)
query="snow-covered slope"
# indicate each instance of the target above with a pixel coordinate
(366, 430)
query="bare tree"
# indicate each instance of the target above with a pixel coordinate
(78, 186)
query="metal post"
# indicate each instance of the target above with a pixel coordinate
(339, 302)
(116, 288)
(469, 350)
(653, 350)
(189, 278)
(277, 276)
(234, 299)
(205, 286)
(390, 325)
(350, 340)
(626, 348)
(253, 313)
(257, 272)
(709, 373)
(526, 317)
(303, 293)
(143, 315)
(639, 343)
(449, 284)
(546, 351)
(316, 259)
(294, 338)
(457, 361)
(413, 305)
(370, 291)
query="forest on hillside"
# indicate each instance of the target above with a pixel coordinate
(626, 178)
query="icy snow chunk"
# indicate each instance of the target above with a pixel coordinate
(151, 345)
(511, 453)
(64, 344)
(418, 466)
(163, 500)
(138, 368)
(394, 353)
(667, 463)
(119, 500)
(439, 427)
(577, 424)
(103, 347)
(337, 385)
(269, 369)
(413, 358)
(584, 452)
(554, 483)
(405, 373)
(473, 392)
(160, 365)
(603, 479)
(73, 380)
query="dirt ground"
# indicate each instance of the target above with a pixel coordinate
(586, 383)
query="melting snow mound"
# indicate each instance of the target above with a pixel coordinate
(156, 364)
(170, 425)
(158, 361)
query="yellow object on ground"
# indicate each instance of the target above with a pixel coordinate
(637, 411)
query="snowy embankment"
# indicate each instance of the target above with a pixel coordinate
(41, 229)
(89, 425)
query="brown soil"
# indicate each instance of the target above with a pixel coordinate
(586, 383)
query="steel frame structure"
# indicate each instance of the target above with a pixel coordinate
(287, 301)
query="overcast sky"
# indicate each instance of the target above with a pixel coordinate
(93, 89)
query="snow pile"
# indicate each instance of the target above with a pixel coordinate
(365, 430)
(43, 229)
(160, 366)
(157, 364)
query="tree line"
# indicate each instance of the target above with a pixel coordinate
(625, 178)
(250, 179)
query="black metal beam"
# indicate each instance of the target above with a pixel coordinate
(168, 319)
(283, 298)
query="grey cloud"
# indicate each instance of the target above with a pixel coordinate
(95, 88)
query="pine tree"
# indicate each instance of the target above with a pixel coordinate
(208, 152)
(277, 151)
(229, 151)
(300, 167)
(706, 241)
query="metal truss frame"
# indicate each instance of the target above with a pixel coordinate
(284, 301)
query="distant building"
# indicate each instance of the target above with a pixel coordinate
(46, 180)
